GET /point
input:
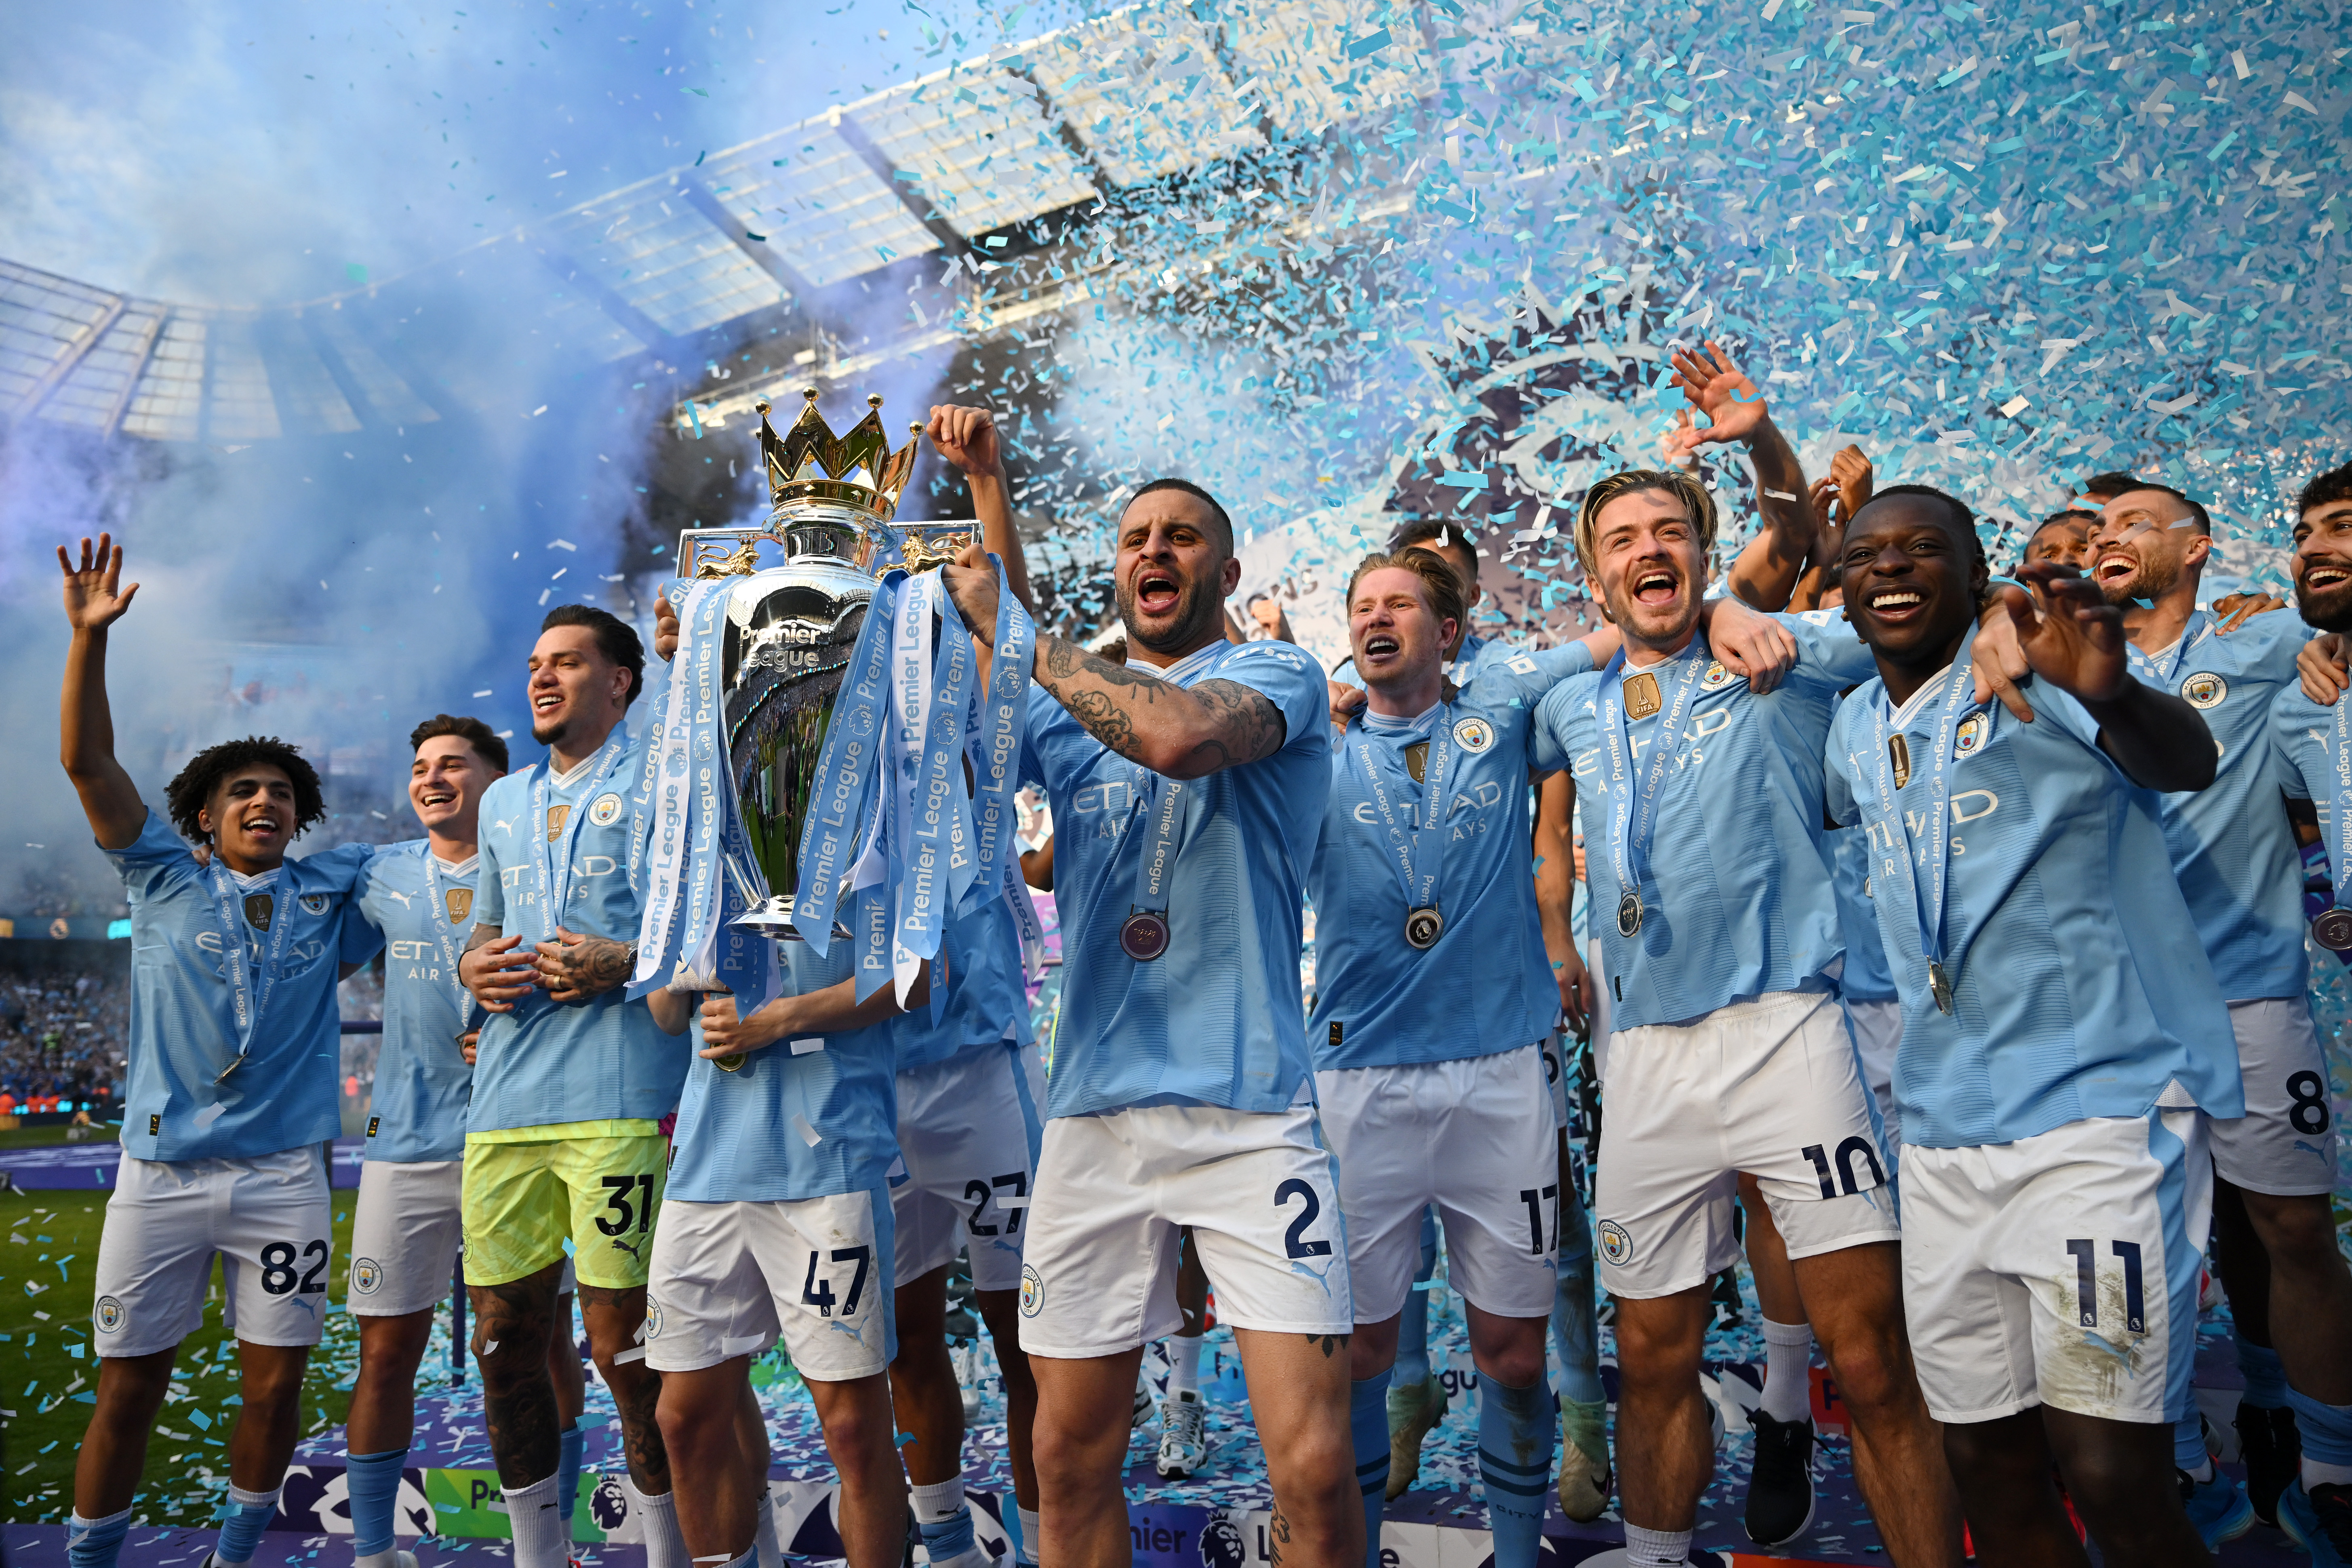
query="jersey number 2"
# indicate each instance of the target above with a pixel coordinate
(1295, 1243)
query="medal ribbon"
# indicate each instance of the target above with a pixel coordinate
(1418, 856)
(1631, 811)
(1170, 807)
(551, 863)
(1024, 917)
(2341, 866)
(1928, 909)
(446, 935)
(245, 1008)
(855, 737)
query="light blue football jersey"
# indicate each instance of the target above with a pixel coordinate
(183, 1020)
(1865, 977)
(2231, 844)
(1217, 1019)
(1737, 897)
(422, 1082)
(2080, 987)
(2303, 752)
(1472, 659)
(1485, 986)
(602, 1059)
(807, 1117)
(988, 995)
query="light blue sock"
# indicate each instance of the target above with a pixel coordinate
(570, 1443)
(95, 1543)
(1412, 1366)
(2266, 1375)
(375, 1491)
(2327, 1428)
(243, 1519)
(1515, 1426)
(1368, 1427)
(1573, 1331)
(2188, 1443)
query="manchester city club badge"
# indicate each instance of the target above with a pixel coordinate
(606, 811)
(1473, 733)
(2204, 689)
(1975, 730)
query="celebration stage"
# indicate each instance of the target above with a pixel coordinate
(1215, 1519)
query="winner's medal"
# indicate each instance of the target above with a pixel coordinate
(1922, 887)
(1143, 935)
(1167, 805)
(2333, 931)
(1416, 855)
(732, 1062)
(1939, 986)
(1633, 801)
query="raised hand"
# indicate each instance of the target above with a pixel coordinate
(95, 598)
(665, 628)
(1853, 474)
(2073, 638)
(966, 438)
(971, 583)
(1721, 390)
(1678, 448)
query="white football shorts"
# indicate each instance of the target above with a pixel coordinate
(269, 1219)
(2285, 1143)
(1474, 1137)
(2061, 1269)
(1768, 1087)
(1878, 1029)
(1259, 1190)
(404, 1233)
(969, 1134)
(730, 1280)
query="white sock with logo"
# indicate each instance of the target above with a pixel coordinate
(665, 1547)
(536, 1517)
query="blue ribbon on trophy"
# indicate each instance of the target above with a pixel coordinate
(902, 723)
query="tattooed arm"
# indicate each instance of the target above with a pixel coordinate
(573, 968)
(1178, 732)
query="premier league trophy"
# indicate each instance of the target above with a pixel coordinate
(788, 628)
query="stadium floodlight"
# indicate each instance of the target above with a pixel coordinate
(806, 192)
(973, 140)
(653, 249)
(1144, 90)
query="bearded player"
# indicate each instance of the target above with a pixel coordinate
(1434, 998)
(2301, 1424)
(2064, 1039)
(2237, 858)
(233, 1097)
(562, 1137)
(1187, 789)
(1728, 1052)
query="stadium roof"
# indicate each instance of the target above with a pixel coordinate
(929, 166)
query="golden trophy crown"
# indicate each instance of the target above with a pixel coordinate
(809, 463)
